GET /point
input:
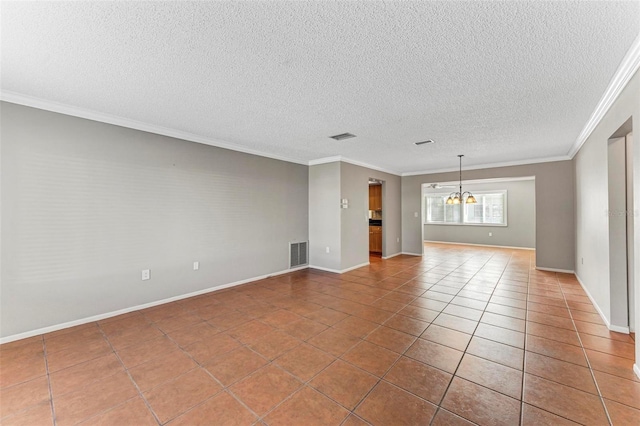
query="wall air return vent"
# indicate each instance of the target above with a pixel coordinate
(342, 136)
(298, 254)
(424, 142)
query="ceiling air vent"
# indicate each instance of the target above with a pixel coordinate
(343, 136)
(425, 142)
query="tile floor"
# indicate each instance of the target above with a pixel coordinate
(462, 335)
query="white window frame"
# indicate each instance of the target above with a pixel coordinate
(462, 215)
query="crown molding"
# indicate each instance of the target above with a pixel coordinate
(628, 67)
(491, 165)
(339, 158)
(30, 101)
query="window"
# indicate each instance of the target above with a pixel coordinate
(490, 209)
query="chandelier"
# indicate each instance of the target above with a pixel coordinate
(458, 197)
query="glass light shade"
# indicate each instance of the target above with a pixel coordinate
(449, 200)
(456, 200)
(471, 199)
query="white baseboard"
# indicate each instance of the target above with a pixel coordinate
(593, 301)
(479, 245)
(393, 255)
(339, 271)
(564, 271)
(636, 370)
(411, 254)
(99, 317)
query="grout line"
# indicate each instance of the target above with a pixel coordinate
(46, 364)
(584, 352)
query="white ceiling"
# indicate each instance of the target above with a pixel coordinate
(496, 81)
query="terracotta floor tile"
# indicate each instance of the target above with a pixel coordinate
(387, 404)
(503, 321)
(22, 368)
(407, 324)
(204, 350)
(391, 339)
(304, 329)
(73, 378)
(436, 355)
(601, 331)
(175, 397)
(506, 310)
(388, 305)
(235, 365)
(224, 408)
(355, 326)
(40, 415)
(609, 346)
(229, 320)
(618, 389)
(19, 397)
(333, 341)
(67, 358)
(564, 401)
(464, 312)
(446, 336)
(497, 352)
(132, 412)
(93, 399)
(533, 416)
(274, 344)
(354, 420)
(327, 316)
(193, 333)
(618, 366)
(492, 375)
(469, 303)
(438, 296)
(344, 383)
(137, 354)
(304, 361)
(265, 389)
(560, 371)
(161, 369)
(307, 407)
(74, 340)
(418, 313)
(420, 379)
(434, 305)
(481, 405)
(371, 358)
(280, 318)
(179, 321)
(125, 336)
(554, 349)
(500, 335)
(550, 310)
(447, 418)
(553, 333)
(587, 317)
(514, 303)
(250, 332)
(456, 323)
(622, 414)
(552, 320)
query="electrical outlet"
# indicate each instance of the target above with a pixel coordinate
(415, 214)
(196, 266)
(491, 234)
(328, 249)
(146, 274)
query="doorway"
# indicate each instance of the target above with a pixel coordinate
(621, 230)
(376, 218)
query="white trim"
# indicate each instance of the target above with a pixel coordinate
(337, 271)
(593, 302)
(339, 158)
(30, 101)
(410, 253)
(479, 245)
(473, 182)
(393, 255)
(623, 74)
(563, 271)
(491, 165)
(619, 329)
(99, 317)
(636, 369)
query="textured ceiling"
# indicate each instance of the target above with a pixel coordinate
(496, 81)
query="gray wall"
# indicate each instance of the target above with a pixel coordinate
(86, 206)
(324, 216)
(355, 219)
(555, 233)
(521, 218)
(592, 196)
